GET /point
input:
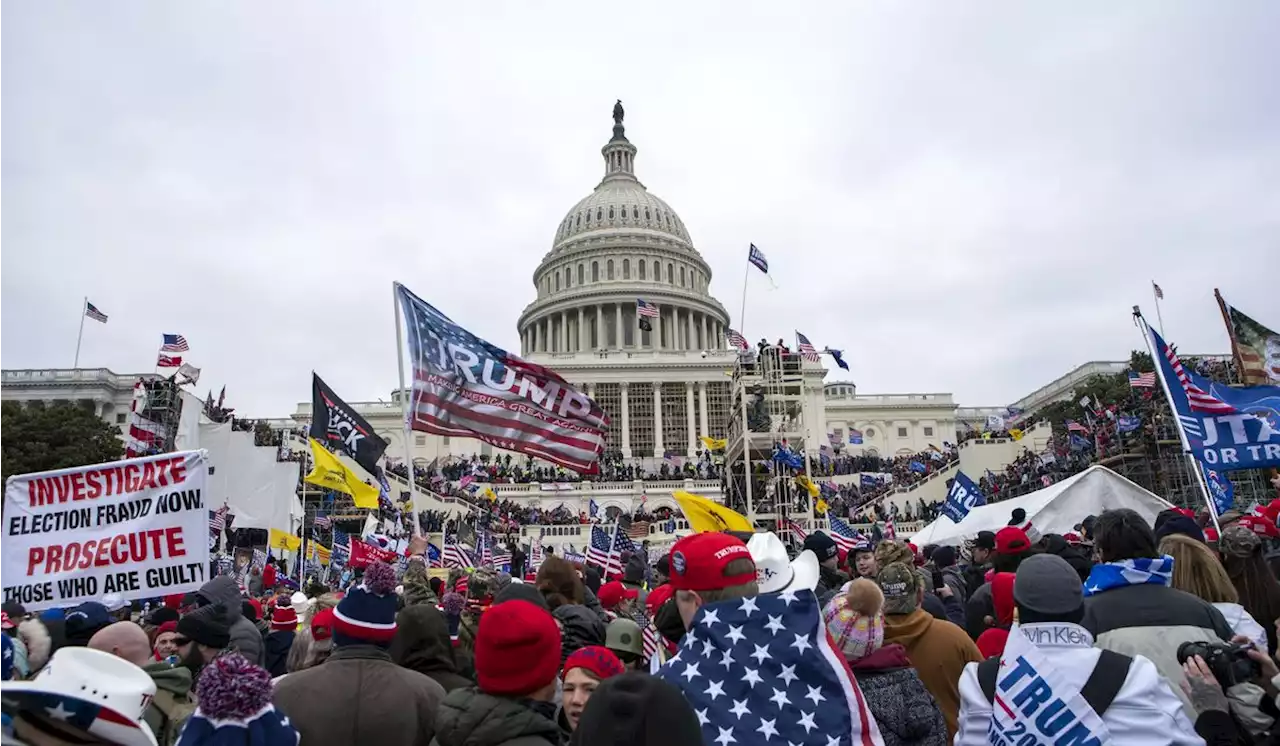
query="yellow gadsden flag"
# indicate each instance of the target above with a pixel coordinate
(715, 444)
(284, 542)
(708, 515)
(807, 484)
(332, 474)
(1016, 434)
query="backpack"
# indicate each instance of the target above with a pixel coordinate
(1100, 690)
(175, 713)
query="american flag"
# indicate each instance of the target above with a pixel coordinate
(795, 529)
(456, 555)
(536, 552)
(1199, 399)
(166, 361)
(890, 531)
(737, 340)
(323, 521)
(1156, 289)
(92, 312)
(760, 668)
(218, 519)
(174, 343)
(341, 547)
(514, 404)
(843, 534)
(671, 458)
(1076, 427)
(756, 257)
(806, 348)
(604, 551)
(650, 637)
(1141, 380)
(638, 530)
(486, 552)
(647, 309)
(501, 555)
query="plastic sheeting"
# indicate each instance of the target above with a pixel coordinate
(1056, 509)
(259, 490)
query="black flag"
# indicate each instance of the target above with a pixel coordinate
(342, 429)
(645, 326)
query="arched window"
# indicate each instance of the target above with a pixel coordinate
(595, 271)
(611, 212)
(557, 280)
(624, 212)
(682, 275)
(578, 221)
(626, 269)
(671, 273)
(581, 275)
(657, 271)
(641, 264)
(599, 213)
(646, 214)
(608, 270)
(588, 217)
(568, 277)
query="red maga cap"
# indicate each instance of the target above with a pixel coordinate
(698, 562)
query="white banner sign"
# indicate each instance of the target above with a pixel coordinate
(139, 528)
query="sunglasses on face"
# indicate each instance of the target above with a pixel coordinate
(180, 641)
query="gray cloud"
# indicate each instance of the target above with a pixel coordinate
(965, 199)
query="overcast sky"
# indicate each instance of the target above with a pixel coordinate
(963, 199)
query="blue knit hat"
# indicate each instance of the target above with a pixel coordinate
(367, 614)
(235, 708)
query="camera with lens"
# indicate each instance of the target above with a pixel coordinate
(1229, 661)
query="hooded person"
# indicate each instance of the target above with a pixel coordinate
(173, 704)
(992, 640)
(580, 627)
(1057, 544)
(1089, 694)
(635, 709)
(360, 695)
(902, 707)
(245, 635)
(1012, 546)
(938, 649)
(203, 635)
(517, 654)
(944, 560)
(978, 562)
(235, 708)
(279, 641)
(1130, 606)
(422, 644)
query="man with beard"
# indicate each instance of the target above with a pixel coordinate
(202, 636)
(830, 580)
(174, 701)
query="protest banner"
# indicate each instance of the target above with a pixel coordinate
(138, 528)
(364, 554)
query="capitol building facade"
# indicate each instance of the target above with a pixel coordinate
(663, 386)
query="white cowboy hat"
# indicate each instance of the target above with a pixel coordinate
(92, 691)
(775, 572)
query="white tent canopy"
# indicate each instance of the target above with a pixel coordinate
(1056, 509)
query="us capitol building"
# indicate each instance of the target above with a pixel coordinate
(662, 388)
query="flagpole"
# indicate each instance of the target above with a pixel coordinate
(613, 540)
(1231, 335)
(404, 409)
(1155, 295)
(1173, 409)
(84, 307)
(742, 317)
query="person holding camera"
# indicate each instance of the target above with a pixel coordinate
(1209, 673)
(1130, 606)
(1052, 685)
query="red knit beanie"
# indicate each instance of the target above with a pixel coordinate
(284, 618)
(517, 649)
(599, 660)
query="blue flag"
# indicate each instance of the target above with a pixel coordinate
(788, 457)
(1079, 444)
(963, 496)
(855, 437)
(917, 467)
(838, 356)
(1226, 428)
(1221, 489)
(866, 480)
(1127, 424)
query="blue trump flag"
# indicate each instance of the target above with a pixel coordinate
(963, 496)
(1127, 424)
(1226, 428)
(918, 467)
(1221, 489)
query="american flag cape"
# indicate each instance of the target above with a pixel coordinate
(763, 670)
(464, 386)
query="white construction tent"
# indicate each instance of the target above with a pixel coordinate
(1056, 509)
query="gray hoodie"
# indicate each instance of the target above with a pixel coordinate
(245, 636)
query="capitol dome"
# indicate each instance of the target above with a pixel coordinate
(616, 247)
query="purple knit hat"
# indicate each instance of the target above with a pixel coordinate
(235, 708)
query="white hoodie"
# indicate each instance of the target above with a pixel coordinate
(1144, 713)
(1244, 624)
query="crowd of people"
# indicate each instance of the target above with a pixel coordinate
(1123, 632)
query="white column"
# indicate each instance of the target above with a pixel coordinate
(582, 328)
(546, 334)
(658, 448)
(675, 328)
(591, 390)
(533, 337)
(688, 405)
(691, 334)
(617, 311)
(564, 331)
(600, 326)
(702, 408)
(626, 419)
(706, 342)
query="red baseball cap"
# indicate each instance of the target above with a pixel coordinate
(613, 593)
(699, 561)
(1012, 540)
(657, 597)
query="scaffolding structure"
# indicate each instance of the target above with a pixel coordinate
(767, 413)
(161, 407)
